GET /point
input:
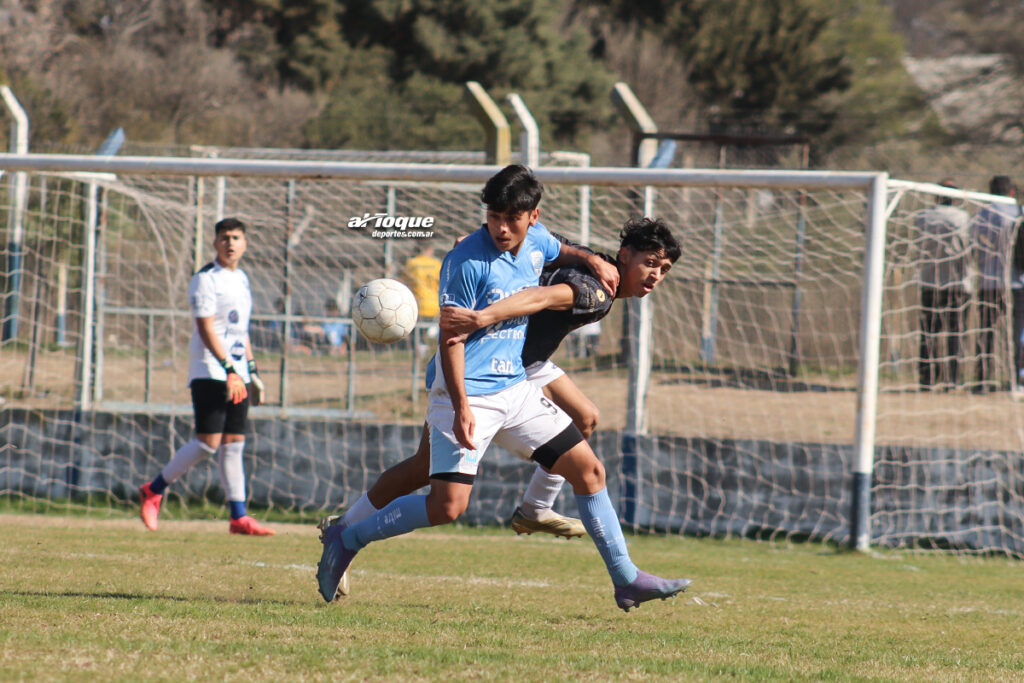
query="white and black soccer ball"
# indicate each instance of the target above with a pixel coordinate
(384, 310)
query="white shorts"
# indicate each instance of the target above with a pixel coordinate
(520, 419)
(543, 373)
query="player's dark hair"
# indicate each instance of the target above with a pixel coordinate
(646, 234)
(1001, 185)
(513, 189)
(228, 224)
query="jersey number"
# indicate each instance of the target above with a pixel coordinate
(547, 404)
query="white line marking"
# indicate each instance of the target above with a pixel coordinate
(471, 580)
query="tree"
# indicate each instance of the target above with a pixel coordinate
(882, 100)
(828, 68)
(424, 51)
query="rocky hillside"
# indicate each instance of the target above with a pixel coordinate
(966, 57)
(976, 97)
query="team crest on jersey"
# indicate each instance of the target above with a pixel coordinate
(537, 259)
(233, 316)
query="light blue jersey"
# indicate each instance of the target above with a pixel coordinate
(474, 275)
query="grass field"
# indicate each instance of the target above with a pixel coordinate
(102, 599)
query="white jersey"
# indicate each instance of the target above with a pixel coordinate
(223, 294)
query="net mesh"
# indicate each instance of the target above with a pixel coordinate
(751, 407)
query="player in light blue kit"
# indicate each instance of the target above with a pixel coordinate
(480, 394)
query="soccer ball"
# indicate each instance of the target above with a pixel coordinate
(384, 310)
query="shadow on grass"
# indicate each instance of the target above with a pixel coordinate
(109, 595)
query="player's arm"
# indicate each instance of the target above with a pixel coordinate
(259, 390)
(453, 365)
(606, 273)
(236, 387)
(461, 322)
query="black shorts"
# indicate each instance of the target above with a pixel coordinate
(214, 413)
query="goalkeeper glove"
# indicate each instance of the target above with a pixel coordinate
(259, 391)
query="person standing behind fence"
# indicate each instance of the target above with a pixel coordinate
(220, 365)
(335, 332)
(992, 230)
(942, 239)
(1017, 290)
(423, 275)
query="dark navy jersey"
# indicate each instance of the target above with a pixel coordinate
(591, 302)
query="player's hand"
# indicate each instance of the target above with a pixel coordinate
(464, 426)
(458, 323)
(236, 388)
(606, 273)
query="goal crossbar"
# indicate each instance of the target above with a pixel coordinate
(596, 175)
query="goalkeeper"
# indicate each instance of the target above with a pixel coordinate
(568, 298)
(220, 365)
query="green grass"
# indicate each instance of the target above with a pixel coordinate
(86, 598)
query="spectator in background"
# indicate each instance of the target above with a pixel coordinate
(992, 230)
(942, 240)
(1017, 290)
(335, 332)
(423, 275)
(271, 332)
(265, 335)
(586, 340)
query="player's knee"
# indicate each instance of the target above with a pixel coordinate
(448, 497)
(209, 442)
(444, 510)
(449, 512)
(591, 474)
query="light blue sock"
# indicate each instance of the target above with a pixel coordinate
(398, 517)
(602, 524)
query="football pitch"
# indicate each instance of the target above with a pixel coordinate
(102, 599)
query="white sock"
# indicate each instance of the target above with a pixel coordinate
(232, 472)
(360, 510)
(184, 458)
(541, 494)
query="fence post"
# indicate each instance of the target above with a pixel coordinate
(499, 143)
(529, 141)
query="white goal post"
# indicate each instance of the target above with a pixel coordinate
(812, 317)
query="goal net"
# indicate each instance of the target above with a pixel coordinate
(736, 413)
